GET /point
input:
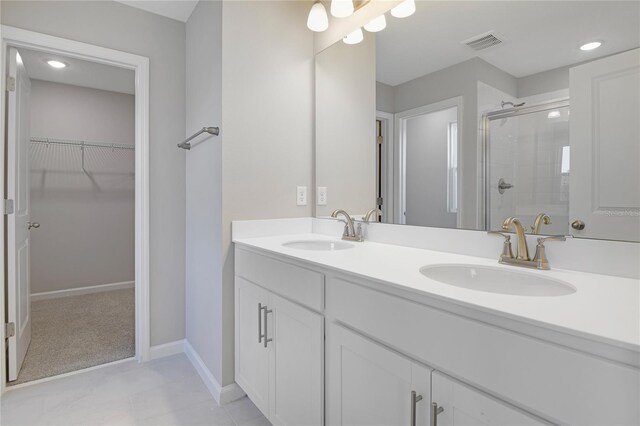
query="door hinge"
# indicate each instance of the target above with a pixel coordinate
(9, 330)
(380, 201)
(380, 140)
(7, 206)
(11, 84)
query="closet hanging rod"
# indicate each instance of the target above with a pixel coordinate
(215, 131)
(68, 142)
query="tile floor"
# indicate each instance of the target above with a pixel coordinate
(162, 392)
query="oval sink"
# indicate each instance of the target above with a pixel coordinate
(318, 245)
(497, 280)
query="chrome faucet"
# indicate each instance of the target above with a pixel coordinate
(522, 258)
(349, 230)
(541, 219)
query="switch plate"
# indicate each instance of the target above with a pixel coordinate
(322, 195)
(301, 196)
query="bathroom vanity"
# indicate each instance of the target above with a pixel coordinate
(339, 333)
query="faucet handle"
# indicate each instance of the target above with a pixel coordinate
(541, 256)
(507, 253)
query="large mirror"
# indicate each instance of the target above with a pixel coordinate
(466, 113)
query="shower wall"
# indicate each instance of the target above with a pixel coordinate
(86, 237)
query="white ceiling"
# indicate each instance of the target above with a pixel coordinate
(539, 35)
(78, 72)
(174, 9)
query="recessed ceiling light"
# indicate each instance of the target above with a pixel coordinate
(56, 64)
(553, 114)
(591, 45)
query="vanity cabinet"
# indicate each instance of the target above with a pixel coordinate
(463, 405)
(369, 384)
(279, 348)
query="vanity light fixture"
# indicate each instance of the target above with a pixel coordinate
(318, 20)
(376, 24)
(342, 8)
(354, 38)
(404, 9)
(56, 64)
(554, 114)
(590, 46)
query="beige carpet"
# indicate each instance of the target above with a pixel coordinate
(71, 333)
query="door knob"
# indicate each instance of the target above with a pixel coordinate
(33, 225)
(578, 224)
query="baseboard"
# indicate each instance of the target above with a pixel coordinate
(81, 290)
(166, 349)
(222, 395)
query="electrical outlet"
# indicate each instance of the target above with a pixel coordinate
(301, 196)
(322, 195)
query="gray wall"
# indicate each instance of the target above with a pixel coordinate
(267, 121)
(345, 126)
(162, 40)
(204, 185)
(86, 235)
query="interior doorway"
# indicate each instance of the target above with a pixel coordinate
(75, 176)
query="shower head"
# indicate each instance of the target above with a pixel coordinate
(512, 104)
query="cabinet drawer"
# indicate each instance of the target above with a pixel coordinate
(551, 381)
(292, 282)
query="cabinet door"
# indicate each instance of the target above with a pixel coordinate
(605, 148)
(296, 364)
(251, 357)
(368, 384)
(465, 406)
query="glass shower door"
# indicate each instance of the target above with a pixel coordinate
(528, 167)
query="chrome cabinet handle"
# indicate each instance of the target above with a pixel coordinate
(33, 225)
(415, 398)
(260, 334)
(266, 312)
(435, 410)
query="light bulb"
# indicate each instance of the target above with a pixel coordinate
(341, 8)
(404, 9)
(318, 20)
(354, 37)
(376, 24)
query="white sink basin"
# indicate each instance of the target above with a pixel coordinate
(319, 245)
(497, 280)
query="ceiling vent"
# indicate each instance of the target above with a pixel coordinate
(483, 41)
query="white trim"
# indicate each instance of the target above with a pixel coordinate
(166, 349)
(11, 36)
(387, 120)
(45, 295)
(222, 395)
(400, 150)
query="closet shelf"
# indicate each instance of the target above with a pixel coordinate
(81, 144)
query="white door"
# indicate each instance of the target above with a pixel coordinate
(369, 384)
(296, 359)
(465, 406)
(252, 358)
(18, 306)
(605, 147)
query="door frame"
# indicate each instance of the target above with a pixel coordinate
(400, 161)
(17, 37)
(387, 120)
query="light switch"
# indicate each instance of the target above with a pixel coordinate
(322, 195)
(301, 196)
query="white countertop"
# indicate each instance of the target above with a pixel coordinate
(604, 308)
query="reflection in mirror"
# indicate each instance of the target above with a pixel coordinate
(466, 113)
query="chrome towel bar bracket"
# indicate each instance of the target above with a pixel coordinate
(215, 131)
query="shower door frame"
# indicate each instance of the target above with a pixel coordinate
(485, 209)
(17, 37)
